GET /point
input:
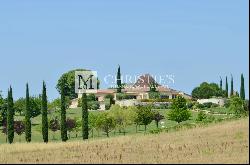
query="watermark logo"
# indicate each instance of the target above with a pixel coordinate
(85, 82)
(139, 81)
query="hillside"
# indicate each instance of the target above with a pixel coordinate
(225, 142)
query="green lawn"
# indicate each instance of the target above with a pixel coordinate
(72, 113)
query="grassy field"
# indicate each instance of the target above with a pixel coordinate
(225, 142)
(72, 113)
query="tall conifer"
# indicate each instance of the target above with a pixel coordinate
(85, 127)
(63, 113)
(27, 116)
(119, 81)
(10, 117)
(44, 114)
(242, 88)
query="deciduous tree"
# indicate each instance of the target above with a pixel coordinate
(179, 111)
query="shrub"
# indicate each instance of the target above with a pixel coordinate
(227, 103)
(94, 105)
(123, 96)
(201, 116)
(200, 106)
(154, 95)
(156, 100)
(207, 105)
(70, 125)
(237, 106)
(209, 119)
(54, 125)
(156, 131)
(190, 105)
(214, 105)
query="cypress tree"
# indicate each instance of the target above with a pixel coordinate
(98, 83)
(220, 83)
(226, 87)
(63, 113)
(119, 81)
(232, 86)
(242, 88)
(27, 116)
(44, 114)
(85, 127)
(10, 117)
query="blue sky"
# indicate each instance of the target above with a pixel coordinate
(193, 40)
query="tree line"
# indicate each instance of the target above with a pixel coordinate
(207, 90)
(117, 118)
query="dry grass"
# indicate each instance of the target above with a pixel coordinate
(222, 143)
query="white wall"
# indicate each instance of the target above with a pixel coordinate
(218, 101)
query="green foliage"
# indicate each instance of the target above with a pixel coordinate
(3, 110)
(208, 104)
(70, 125)
(237, 106)
(54, 125)
(179, 111)
(123, 117)
(45, 130)
(85, 127)
(92, 123)
(232, 86)
(55, 105)
(69, 85)
(78, 125)
(190, 104)
(153, 87)
(242, 88)
(10, 117)
(105, 122)
(124, 96)
(160, 105)
(220, 83)
(156, 131)
(27, 116)
(156, 100)
(19, 127)
(209, 119)
(199, 106)
(226, 88)
(201, 116)
(157, 117)
(63, 113)
(34, 103)
(92, 103)
(145, 115)
(206, 91)
(119, 81)
(154, 95)
(227, 103)
(109, 101)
